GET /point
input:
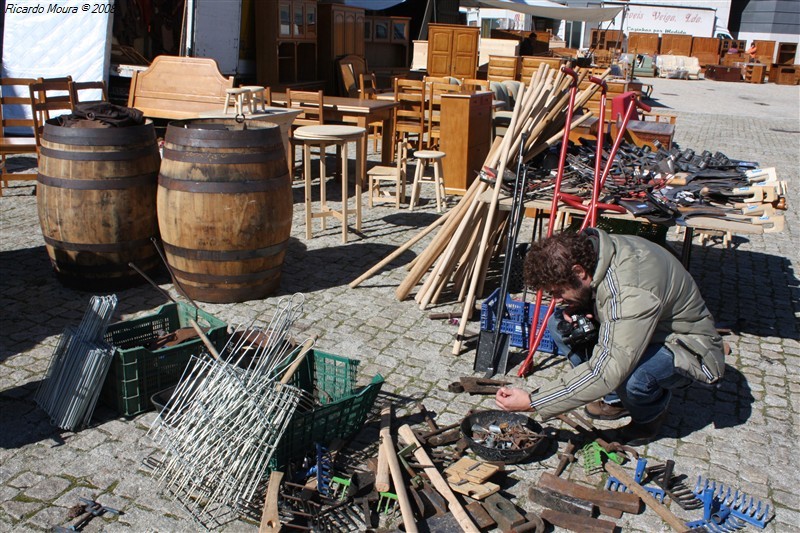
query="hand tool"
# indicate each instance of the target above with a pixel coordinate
(382, 474)
(578, 523)
(673, 485)
(626, 502)
(437, 480)
(566, 457)
(270, 520)
(499, 361)
(504, 512)
(90, 509)
(534, 524)
(427, 416)
(478, 513)
(665, 514)
(387, 448)
(561, 502)
(615, 484)
(477, 385)
(737, 504)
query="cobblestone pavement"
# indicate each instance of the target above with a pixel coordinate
(744, 433)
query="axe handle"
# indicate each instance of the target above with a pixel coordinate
(618, 472)
(382, 480)
(387, 449)
(270, 520)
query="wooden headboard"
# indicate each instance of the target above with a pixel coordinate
(179, 88)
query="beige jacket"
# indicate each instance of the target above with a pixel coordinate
(643, 295)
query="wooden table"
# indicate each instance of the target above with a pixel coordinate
(361, 112)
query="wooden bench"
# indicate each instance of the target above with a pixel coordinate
(179, 88)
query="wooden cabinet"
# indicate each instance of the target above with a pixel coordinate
(286, 43)
(786, 53)
(340, 32)
(466, 127)
(643, 43)
(676, 44)
(452, 50)
(765, 52)
(607, 39)
(387, 42)
(755, 72)
(706, 50)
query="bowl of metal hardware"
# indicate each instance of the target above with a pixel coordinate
(502, 436)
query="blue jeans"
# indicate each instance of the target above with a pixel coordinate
(647, 390)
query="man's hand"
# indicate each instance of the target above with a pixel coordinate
(513, 399)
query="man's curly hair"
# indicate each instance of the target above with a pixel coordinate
(549, 262)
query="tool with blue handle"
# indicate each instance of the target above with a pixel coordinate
(616, 485)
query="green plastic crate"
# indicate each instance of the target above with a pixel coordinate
(136, 372)
(332, 381)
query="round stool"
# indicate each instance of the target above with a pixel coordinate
(238, 95)
(256, 95)
(423, 158)
(322, 137)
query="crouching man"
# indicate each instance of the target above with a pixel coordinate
(655, 333)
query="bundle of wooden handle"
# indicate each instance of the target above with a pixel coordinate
(460, 251)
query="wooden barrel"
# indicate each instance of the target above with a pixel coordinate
(225, 208)
(96, 199)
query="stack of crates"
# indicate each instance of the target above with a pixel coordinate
(518, 324)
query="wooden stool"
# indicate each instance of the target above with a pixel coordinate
(423, 158)
(238, 94)
(256, 95)
(322, 137)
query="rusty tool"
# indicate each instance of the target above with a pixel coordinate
(561, 502)
(618, 472)
(673, 485)
(427, 416)
(578, 523)
(438, 480)
(566, 457)
(534, 524)
(623, 501)
(477, 385)
(478, 513)
(89, 510)
(504, 512)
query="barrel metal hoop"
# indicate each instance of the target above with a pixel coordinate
(227, 278)
(223, 187)
(225, 255)
(217, 158)
(124, 155)
(104, 184)
(98, 248)
(121, 137)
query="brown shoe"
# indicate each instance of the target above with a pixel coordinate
(600, 410)
(638, 434)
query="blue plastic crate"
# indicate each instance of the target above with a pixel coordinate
(518, 324)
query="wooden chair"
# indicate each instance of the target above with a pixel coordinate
(80, 86)
(350, 69)
(434, 118)
(14, 92)
(473, 85)
(409, 115)
(368, 89)
(46, 96)
(394, 175)
(311, 104)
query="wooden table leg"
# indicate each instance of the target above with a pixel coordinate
(307, 179)
(361, 158)
(345, 200)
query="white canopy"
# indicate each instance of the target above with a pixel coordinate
(548, 9)
(374, 5)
